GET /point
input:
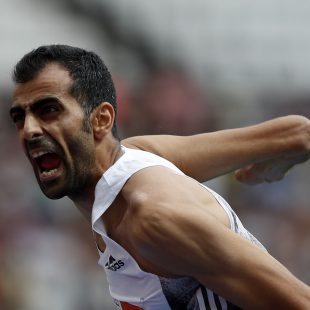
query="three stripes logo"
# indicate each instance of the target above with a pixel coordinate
(113, 264)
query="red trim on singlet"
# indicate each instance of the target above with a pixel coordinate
(127, 306)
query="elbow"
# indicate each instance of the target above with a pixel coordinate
(299, 134)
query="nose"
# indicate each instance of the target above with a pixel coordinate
(32, 128)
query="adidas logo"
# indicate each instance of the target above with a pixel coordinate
(113, 264)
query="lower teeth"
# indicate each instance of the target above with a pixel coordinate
(49, 173)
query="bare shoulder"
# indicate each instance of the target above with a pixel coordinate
(160, 189)
(152, 143)
(163, 207)
(162, 145)
(149, 193)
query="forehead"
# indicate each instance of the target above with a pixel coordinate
(54, 80)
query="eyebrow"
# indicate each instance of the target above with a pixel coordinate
(36, 105)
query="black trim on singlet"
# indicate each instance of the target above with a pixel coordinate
(217, 301)
(231, 306)
(205, 298)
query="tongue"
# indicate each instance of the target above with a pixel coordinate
(49, 161)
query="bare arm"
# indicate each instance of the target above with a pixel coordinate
(174, 233)
(274, 145)
(222, 261)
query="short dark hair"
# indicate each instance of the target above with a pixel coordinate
(92, 81)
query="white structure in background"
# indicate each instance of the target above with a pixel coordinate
(259, 44)
(237, 49)
(27, 24)
(238, 44)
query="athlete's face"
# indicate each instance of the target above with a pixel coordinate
(49, 122)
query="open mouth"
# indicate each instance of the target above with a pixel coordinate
(48, 163)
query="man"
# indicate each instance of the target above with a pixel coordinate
(165, 241)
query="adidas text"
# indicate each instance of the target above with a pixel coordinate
(114, 265)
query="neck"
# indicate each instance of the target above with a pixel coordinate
(106, 156)
(84, 204)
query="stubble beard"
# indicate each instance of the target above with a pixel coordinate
(78, 178)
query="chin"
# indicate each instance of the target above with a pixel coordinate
(54, 196)
(52, 192)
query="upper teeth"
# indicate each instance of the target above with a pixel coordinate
(38, 154)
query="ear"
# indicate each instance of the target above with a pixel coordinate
(102, 120)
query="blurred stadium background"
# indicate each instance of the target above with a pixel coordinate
(180, 67)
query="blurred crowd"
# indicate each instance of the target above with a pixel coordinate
(47, 254)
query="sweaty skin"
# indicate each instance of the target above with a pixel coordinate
(156, 209)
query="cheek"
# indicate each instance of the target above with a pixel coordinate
(80, 146)
(69, 136)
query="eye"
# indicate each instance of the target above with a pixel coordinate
(50, 108)
(18, 118)
(47, 108)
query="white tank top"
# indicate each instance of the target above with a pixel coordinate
(130, 287)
